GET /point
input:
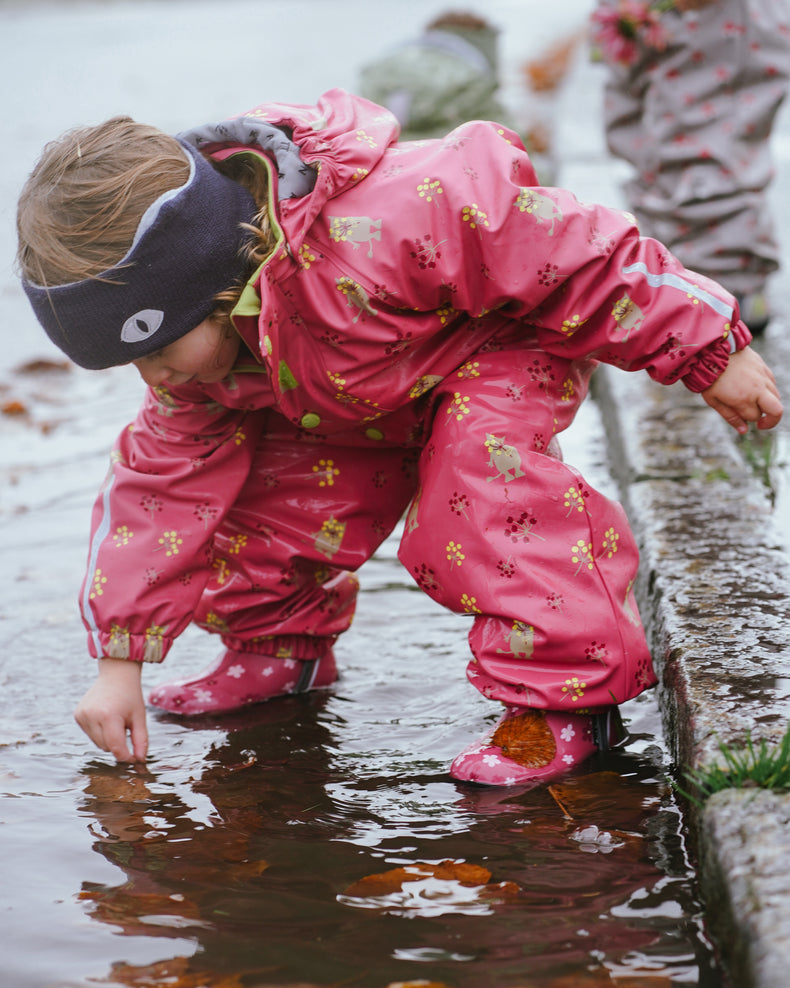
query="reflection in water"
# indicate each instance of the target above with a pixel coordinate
(297, 870)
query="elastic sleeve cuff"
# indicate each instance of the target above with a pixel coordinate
(119, 644)
(713, 359)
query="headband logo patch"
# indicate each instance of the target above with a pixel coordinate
(142, 325)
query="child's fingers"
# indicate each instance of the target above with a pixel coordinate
(108, 734)
(765, 410)
(771, 410)
(139, 735)
(730, 415)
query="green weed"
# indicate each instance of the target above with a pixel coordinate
(752, 766)
(759, 451)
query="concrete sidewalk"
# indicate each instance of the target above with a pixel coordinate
(715, 581)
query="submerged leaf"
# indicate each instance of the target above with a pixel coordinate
(417, 984)
(391, 881)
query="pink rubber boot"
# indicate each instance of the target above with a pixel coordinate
(536, 746)
(238, 679)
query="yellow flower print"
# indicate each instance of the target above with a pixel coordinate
(327, 471)
(366, 139)
(214, 622)
(574, 499)
(568, 390)
(542, 208)
(118, 645)
(469, 604)
(164, 396)
(610, 540)
(306, 258)
(330, 537)
(356, 296)
(360, 173)
(122, 536)
(574, 688)
(98, 584)
(424, 384)
(355, 230)
(237, 543)
(154, 644)
(454, 553)
(569, 326)
(429, 190)
(170, 542)
(222, 570)
(581, 553)
(469, 369)
(445, 313)
(458, 406)
(474, 216)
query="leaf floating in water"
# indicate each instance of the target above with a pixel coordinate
(175, 973)
(386, 882)
(417, 984)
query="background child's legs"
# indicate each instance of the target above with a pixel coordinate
(503, 530)
(695, 121)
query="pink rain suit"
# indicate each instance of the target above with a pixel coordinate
(422, 333)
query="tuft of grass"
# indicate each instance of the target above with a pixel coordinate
(752, 766)
(759, 451)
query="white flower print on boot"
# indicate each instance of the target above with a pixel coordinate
(535, 746)
(238, 679)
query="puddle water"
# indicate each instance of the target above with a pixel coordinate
(317, 840)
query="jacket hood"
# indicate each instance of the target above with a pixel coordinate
(319, 151)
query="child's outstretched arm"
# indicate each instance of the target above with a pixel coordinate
(746, 392)
(112, 707)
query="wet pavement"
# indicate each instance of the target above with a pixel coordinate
(319, 840)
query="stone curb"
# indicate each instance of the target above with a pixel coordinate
(713, 591)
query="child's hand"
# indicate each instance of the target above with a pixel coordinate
(746, 392)
(113, 706)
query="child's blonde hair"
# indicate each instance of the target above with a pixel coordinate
(80, 208)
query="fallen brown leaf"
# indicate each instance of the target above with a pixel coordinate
(417, 984)
(391, 881)
(547, 72)
(175, 973)
(43, 366)
(526, 739)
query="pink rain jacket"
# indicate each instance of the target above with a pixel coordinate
(405, 263)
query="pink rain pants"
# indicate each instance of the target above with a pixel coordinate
(499, 528)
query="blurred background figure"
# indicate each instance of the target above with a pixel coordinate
(444, 77)
(692, 93)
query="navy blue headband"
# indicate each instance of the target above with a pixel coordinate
(185, 252)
